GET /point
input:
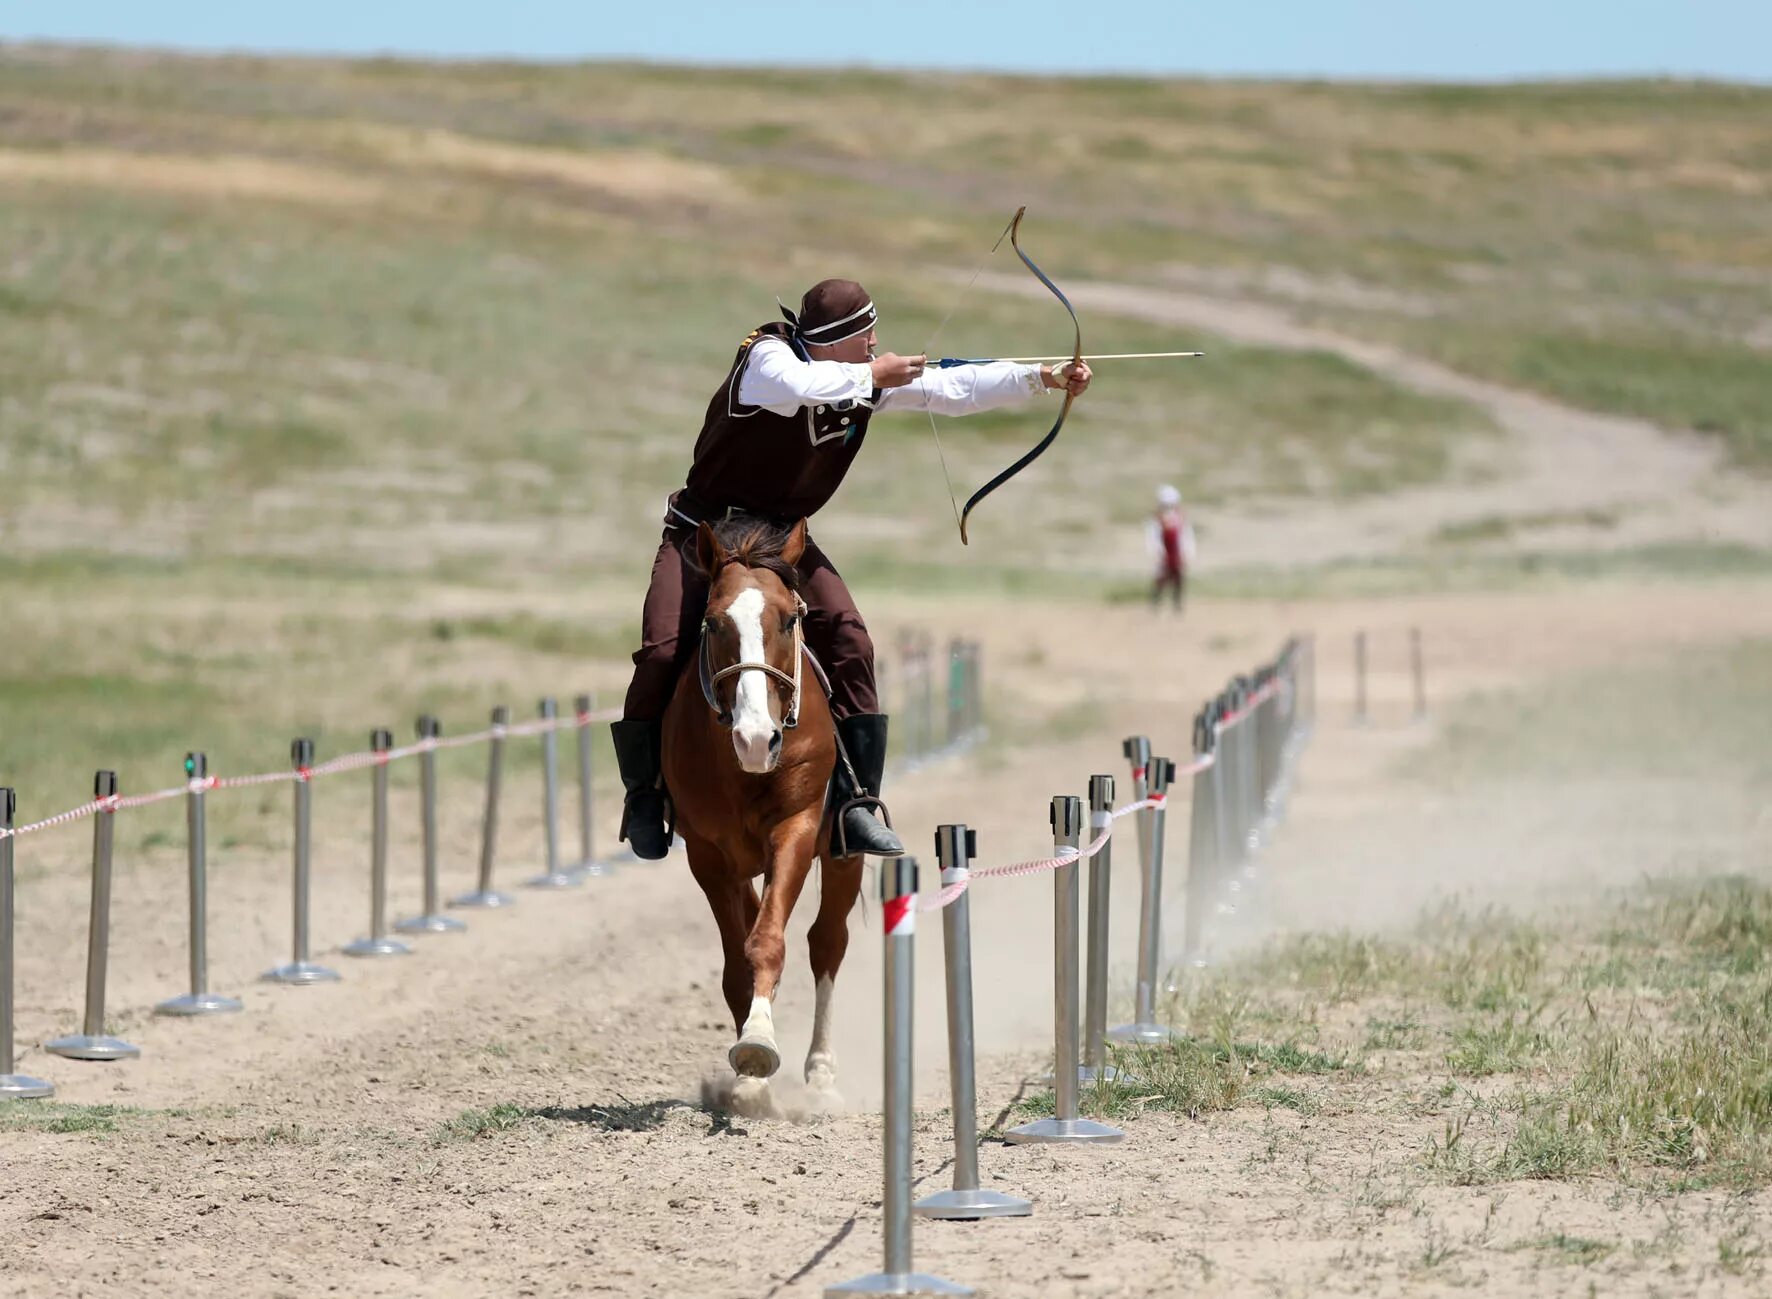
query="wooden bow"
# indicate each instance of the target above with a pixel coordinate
(1069, 397)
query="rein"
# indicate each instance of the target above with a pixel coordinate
(711, 679)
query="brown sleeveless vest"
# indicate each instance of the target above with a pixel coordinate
(781, 467)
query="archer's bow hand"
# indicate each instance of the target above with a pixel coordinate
(1073, 376)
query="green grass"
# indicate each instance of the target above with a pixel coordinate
(1710, 385)
(472, 1124)
(57, 1117)
(1443, 570)
(1577, 1251)
(1550, 221)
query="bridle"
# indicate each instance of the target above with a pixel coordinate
(710, 679)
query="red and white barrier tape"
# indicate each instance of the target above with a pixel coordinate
(346, 762)
(946, 895)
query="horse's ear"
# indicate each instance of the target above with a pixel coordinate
(708, 551)
(795, 546)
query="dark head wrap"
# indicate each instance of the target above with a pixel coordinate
(831, 311)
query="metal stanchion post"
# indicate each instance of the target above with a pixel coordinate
(1267, 752)
(1312, 715)
(378, 943)
(300, 972)
(1137, 751)
(898, 894)
(1249, 779)
(430, 919)
(1231, 755)
(553, 877)
(1202, 865)
(1144, 1028)
(1420, 672)
(588, 865)
(907, 678)
(955, 846)
(1066, 1125)
(926, 695)
(1360, 676)
(1101, 818)
(13, 1086)
(483, 894)
(199, 1001)
(1224, 837)
(956, 701)
(91, 1043)
(975, 689)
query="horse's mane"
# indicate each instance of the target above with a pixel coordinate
(757, 543)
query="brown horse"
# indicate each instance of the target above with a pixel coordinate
(748, 757)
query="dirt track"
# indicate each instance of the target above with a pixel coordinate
(299, 1149)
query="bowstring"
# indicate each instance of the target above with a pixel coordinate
(929, 346)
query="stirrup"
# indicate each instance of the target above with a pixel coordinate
(840, 838)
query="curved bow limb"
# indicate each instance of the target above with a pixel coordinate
(1069, 397)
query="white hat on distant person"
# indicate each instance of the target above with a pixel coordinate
(1168, 497)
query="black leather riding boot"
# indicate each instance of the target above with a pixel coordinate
(644, 809)
(864, 738)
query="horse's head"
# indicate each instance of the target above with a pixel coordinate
(751, 634)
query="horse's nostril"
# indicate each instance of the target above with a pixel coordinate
(775, 742)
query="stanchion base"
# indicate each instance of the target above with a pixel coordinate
(19, 1087)
(430, 925)
(592, 870)
(1088, 1076)
(1142, 1034)
(377, 947)
(555, 880)
(200, 1003)
(299, 974)
(78, 1046)
(489, 899)
(912, 1283)
(965, 1206)
(1067, 1131)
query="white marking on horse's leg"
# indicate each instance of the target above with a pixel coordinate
(760, 1023)
(820, 1053)
(752, 727)
(821, 1058)
(755, 1053)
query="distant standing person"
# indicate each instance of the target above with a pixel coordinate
(1171, 546)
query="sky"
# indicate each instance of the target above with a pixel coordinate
(1381, 39)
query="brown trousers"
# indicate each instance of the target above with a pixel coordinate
(670, 630)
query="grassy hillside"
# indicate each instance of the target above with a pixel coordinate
(304, 358)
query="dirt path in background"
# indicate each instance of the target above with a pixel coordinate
(1552, 460)
(300, 1149)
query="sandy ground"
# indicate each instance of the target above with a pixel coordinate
(298, 1149)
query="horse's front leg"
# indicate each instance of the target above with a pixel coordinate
(827, 941)
(789, 861)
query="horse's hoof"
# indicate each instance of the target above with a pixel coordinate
(752, 1098)
(754, 1057)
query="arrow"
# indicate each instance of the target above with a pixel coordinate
(949, 362)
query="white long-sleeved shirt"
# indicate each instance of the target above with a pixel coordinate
(779, 381)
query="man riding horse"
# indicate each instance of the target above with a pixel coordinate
(781, 431)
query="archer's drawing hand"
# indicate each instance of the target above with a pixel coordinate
(894, 371)
(1073, 377)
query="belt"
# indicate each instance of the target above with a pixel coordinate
(682, 509)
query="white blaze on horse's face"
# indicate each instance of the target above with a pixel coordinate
(756, 735)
